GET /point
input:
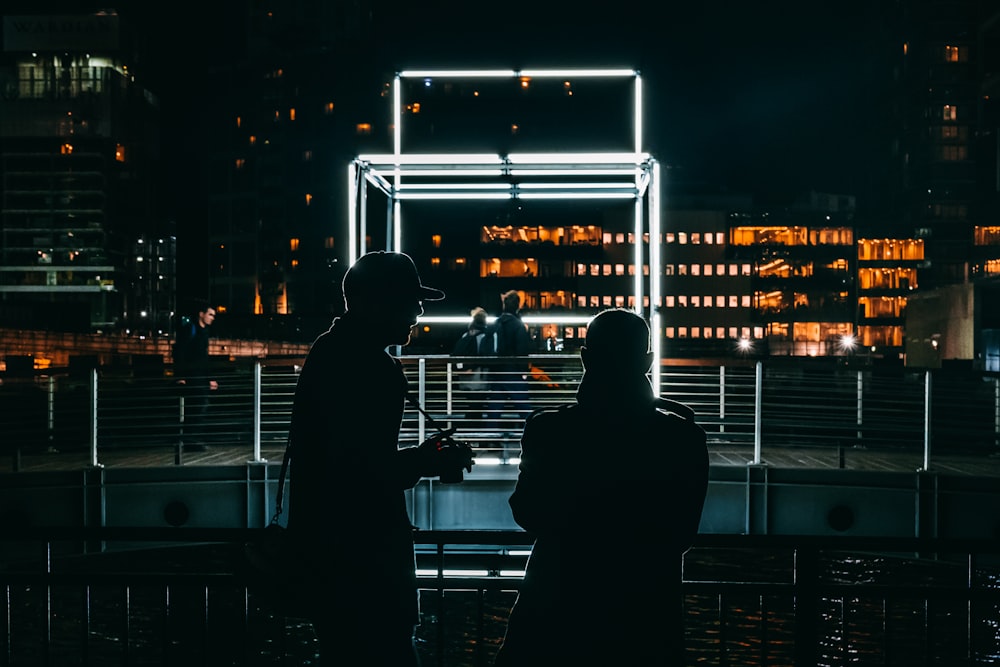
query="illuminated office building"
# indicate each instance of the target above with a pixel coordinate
(78, 146)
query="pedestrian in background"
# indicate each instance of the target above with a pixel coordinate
(473, 376)
(509, 386)
(635, 518)
(194, 374)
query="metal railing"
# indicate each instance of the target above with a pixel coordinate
(78, 596)
(764, 405)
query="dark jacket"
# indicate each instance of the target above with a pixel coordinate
(347, 477)
(611, 484)
(513, 340)
(191, 359)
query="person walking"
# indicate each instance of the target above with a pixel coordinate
(348, 474)
(193, 370)
(647, 504)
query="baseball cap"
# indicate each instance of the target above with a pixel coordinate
(382, 273)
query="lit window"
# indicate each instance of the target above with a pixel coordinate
(363, 128)
(949, 112)
(606, 238)
(670, 332)
(668, 270)
(619, 238)
(413, 108)
(309, 199)
(295, 263)
(682, 269)
(696, 302)
(734, 302)
(525, 81)
(606, 301)
(696, 269)
(514, 128)
(720, 301)
(745, 269)
(328, 243)
(670, 237)
(695, 238)
(707, 270)
(720, 269)
(709, 238)
(733, 269)
(307, 155)
(669, 301)
(605, 269)
(277, 115)
(619, 269)
(745, 300)
(66, 149)
(435, 262)
(682, 332)
(328, 108)
(682, 237)
(293, 244)
(720, 238)
(240, 163)
(239, 121)
(252, 140)
(436, 240)
(119, 153)
(595, 269)
(291, 114)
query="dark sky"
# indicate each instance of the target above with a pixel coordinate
(763, 97)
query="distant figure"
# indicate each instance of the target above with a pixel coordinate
(193, 370)
(510, 385)
(348, 475)
(473, 377)
(612, 485)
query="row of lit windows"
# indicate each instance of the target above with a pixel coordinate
(792, 235)
(715, 332)
(707, 301)
(877, 249)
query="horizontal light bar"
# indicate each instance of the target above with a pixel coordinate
(624, 170)
(577, 195)
(454, 186)
(432, 158)
(573, 186)
(569, 73)
(431, 196)
(453, 573)
(500, 73)
(528, 319)
(571, 158)
(446, 172)
(452, 73)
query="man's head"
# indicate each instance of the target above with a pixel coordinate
(511, 301)
(204, 314)
(617, 343)
(478, 317)
(384, 289)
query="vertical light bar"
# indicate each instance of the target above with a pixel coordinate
(637, 227)
(655, 273)
(397, 129)
(397, 227)
(393, 233)
(362, 204)
(352, 213)
(638, 113)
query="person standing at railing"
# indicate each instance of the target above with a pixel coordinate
(509, 387)
(474, 375)
(193, 372)
(591, 601)
(348, 475)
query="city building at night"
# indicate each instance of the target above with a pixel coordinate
(82, 247)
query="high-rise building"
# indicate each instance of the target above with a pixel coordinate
(78, 152)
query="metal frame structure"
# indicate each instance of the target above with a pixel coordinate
(605, 176)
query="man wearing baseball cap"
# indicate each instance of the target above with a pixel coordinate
(347, 508)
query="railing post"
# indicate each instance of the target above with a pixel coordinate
(422, 397)
(927, 421)
(50, 412)
(861, 389)
(806, 606)
(996, 412)
(758, 403)
(256, 412)
(93, 419)
(722, 399)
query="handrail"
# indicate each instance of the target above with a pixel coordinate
(814, 604)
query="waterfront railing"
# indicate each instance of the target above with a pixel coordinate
(755, 406)
(135, 596)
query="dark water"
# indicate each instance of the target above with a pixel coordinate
(152, 625)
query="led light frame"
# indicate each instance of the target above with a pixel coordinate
(487, 176)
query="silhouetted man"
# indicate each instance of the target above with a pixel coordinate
(348, 474)
(614, 483)
(193, 369)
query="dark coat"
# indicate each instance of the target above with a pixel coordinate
(612, 489)
(348, 477)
